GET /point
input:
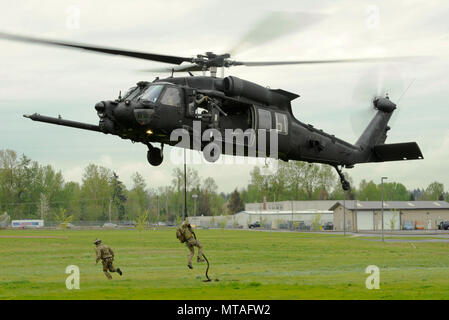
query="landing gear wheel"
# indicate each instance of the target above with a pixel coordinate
(344, 183)
(155, 156)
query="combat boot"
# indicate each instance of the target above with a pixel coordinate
(199, 259)
(119, 271)
(190, 266)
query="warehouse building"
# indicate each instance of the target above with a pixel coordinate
(301, 215)
(298, 219)
(291, 205)
(360, 215)
(398, 215)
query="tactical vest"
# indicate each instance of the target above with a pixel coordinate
(104, 251)
(183, 233)
(180, 235)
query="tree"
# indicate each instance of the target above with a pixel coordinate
(394, 191)
(4, 220)
(316, 221)
(235, 204)
(193, 184)
(62, 219)
(43, 206)
(96, 193)
(71, 198)
(368, 191)
(142, 220)
(137, 197)
(207, 195)
(434, 191)
(118, 196)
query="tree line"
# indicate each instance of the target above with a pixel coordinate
(29, 190)
(297, 180)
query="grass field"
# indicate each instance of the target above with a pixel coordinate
(249, 265)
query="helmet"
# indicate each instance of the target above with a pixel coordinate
(97, 241)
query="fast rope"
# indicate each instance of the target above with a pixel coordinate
(207, 269)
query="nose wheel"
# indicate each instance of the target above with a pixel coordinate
(155, 156)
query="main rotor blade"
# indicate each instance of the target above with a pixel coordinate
(186, 68)
(276, 63)
(113, 51)
(275, 25)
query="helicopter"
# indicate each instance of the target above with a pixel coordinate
(151, 111)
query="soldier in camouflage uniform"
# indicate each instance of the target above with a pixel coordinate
(191, 242)
(105, 253)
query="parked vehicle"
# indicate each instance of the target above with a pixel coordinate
(328, 226)
(408, 226)
(110, 225)
(443, 225)
(254, 225)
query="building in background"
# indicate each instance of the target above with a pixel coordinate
(398, 215)
(325, 214)
(300, 215)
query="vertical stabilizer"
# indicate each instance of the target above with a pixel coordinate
(376, 131)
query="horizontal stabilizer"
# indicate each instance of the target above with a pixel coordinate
(397, 151)
(289, 95)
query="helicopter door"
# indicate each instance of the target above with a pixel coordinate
(236, 128)
(171, 102)
(265, 122)
(281, 122)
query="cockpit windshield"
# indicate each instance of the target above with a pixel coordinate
(132, 93)
(152, 93)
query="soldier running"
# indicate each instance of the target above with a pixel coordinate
(105, 253)
(186, 234)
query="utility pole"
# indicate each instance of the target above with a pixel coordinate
(110, 204)
(195, 196)
(382, 199)
(166, 206)
(344, 213)
(157, 200)
(292, 213)
(184, 214)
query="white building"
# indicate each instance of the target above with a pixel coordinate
(278, 215)
(302, 219)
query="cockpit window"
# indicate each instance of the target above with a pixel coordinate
(131, 93)
(152, 93)
(171, 97)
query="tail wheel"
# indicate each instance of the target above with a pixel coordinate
(155, 156)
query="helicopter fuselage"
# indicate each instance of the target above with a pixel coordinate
(235, 117)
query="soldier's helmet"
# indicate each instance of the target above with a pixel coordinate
(97, 241)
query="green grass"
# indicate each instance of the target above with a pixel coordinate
(416, 238)
(249, 265)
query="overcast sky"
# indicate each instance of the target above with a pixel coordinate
(55, 81)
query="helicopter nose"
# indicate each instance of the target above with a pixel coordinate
(100, 106)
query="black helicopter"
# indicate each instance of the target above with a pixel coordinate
(150, 111)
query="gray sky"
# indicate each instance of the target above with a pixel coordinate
(55, 81)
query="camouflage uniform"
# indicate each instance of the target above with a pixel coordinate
(105, 253)
(191, 242)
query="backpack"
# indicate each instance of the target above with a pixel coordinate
(180, 235)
